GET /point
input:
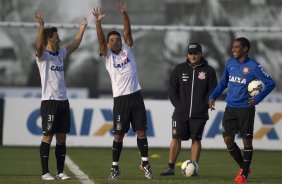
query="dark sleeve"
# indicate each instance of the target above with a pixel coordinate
(173, 91)
(212, 82)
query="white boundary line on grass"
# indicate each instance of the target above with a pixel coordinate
(79, 174)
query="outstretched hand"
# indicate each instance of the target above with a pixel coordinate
(84, 23)
(122, 7)
(211, 104)
(39, 18)
(252, 101)
(97, 13)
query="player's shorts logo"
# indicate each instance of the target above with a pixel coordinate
(49, 126)
(119, 127)
(174, 132)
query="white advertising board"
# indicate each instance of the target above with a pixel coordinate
(92, 124)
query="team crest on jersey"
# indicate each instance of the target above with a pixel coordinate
(202, 75)
(246, 70)
(123, 53)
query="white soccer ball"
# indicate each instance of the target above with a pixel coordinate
(255, 87)
(189, 168)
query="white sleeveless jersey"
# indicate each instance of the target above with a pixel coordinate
(51, 69)
(123, 71)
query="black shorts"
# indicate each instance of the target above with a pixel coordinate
(187, 128)
(129, 109)
(238, 120)
(55, 116)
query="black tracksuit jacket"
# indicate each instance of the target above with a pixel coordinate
(189, 89)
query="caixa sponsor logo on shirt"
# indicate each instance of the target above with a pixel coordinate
(57, 68)
(122, 64)
(237, 79)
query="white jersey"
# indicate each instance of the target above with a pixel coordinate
(123, 71)
(51, 69)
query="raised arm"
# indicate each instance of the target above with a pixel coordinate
(40, 36)
(126, 23)
(98, 16)
(77, 40)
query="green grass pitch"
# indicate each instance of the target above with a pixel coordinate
(22, 165)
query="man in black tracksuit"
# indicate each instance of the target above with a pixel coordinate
(191, 83)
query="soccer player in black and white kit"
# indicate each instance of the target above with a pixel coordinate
(128, 102)
(55, 111)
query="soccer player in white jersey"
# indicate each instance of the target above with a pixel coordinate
(128, 102)
(55, 111)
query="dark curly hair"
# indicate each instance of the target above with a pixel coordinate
(48, 33)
